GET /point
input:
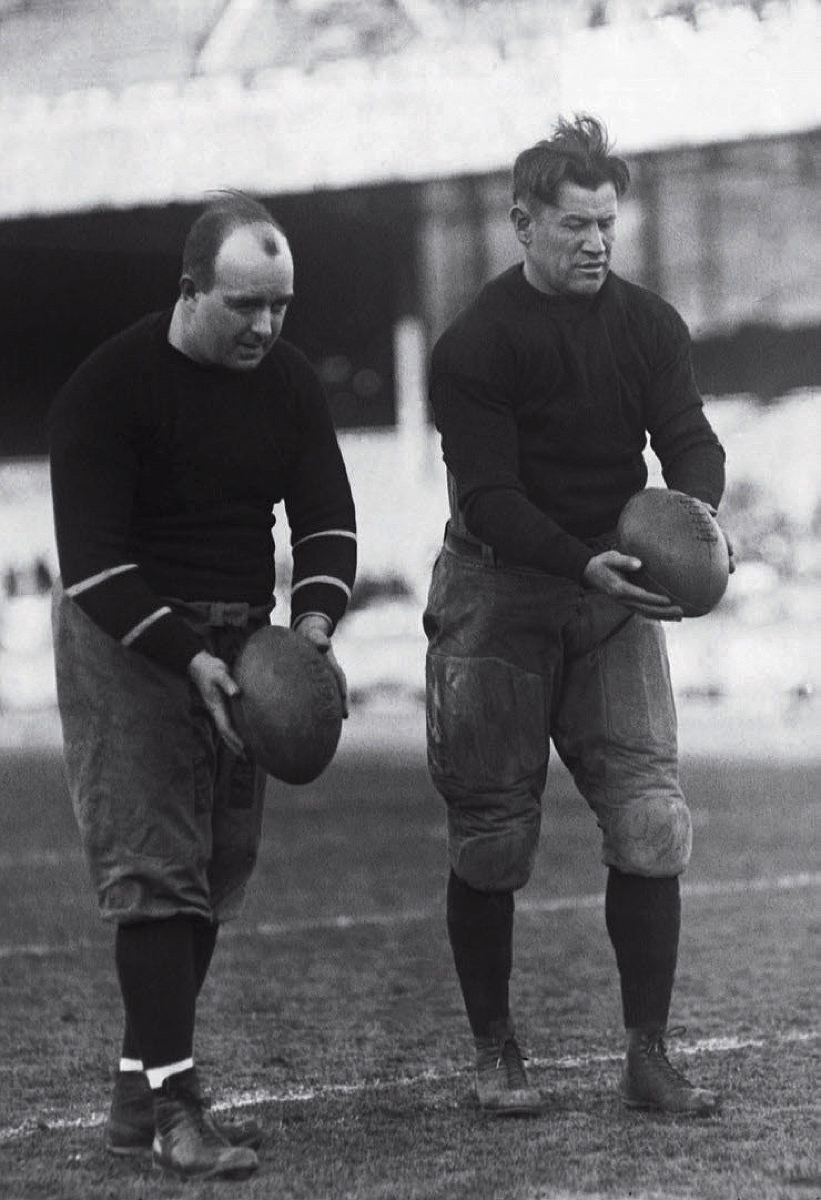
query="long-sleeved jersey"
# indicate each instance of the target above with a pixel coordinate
(164, 475)
(544, 404)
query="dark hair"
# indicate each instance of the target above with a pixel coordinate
(231, 210)
(577, 151)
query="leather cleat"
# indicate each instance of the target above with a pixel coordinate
(502, 1086)
(188, 1142)
(130, 1125)
(650, 1081)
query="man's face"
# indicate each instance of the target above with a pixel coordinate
(237, 321)
(568, 243)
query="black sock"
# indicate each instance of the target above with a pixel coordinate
(156, 969)
(643, 918)
(480, 927)
(205, 940)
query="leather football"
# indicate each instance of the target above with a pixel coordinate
(683, 552)
(289, 710)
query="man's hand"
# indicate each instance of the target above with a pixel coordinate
(215, 684)
(315, 628)
(606, 573)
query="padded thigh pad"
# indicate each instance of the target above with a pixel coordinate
(487, 753)
(485, 722)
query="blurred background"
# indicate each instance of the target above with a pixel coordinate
(381, 134)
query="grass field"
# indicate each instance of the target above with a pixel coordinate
(332, 1012)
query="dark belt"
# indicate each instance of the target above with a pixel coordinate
(467, 547)
(219, 613)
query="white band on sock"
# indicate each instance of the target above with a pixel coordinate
(131, 1064)
(158, 1075)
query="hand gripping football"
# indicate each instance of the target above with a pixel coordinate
(289, 710)
(682, 549)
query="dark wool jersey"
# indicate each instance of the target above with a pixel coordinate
(164, 474)
(544, 404)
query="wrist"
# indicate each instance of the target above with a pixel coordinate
(313, 621)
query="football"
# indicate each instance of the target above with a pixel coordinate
(289, 710)
(683, 552)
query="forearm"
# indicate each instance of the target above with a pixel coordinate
(98, 568)
(684, 441)
(124, 608)
(698, 471)
(323, 542)
(521, 533)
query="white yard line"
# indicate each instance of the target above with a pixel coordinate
(553, 904)
(39, 858)
(300, 1095)
(44, 949)
(566, 1063)
(343, 921)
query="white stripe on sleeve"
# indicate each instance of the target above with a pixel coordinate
(85, 585)
(329, 579)
(134, 633)
(344, 533)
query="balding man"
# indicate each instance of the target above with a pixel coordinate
(170, 446)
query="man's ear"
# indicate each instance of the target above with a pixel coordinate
(522, 223)
(188, 289)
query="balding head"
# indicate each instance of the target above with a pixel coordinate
(223, 216)
(234, 318)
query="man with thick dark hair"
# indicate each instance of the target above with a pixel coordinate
(544, 389)
(170, 446)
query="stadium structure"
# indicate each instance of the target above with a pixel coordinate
(382, 135)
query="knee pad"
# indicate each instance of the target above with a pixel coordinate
(650, 836)
(495, 862)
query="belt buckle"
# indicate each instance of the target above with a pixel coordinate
(235, 613)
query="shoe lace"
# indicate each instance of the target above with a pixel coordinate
(656, 1048)
(197, 1106)
(513, 1059)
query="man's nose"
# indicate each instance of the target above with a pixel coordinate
(594, 241)
(262, 324)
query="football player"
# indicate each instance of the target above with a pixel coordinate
(169, 448)
(544, 390)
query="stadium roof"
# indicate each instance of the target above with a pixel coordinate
(128, 103)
